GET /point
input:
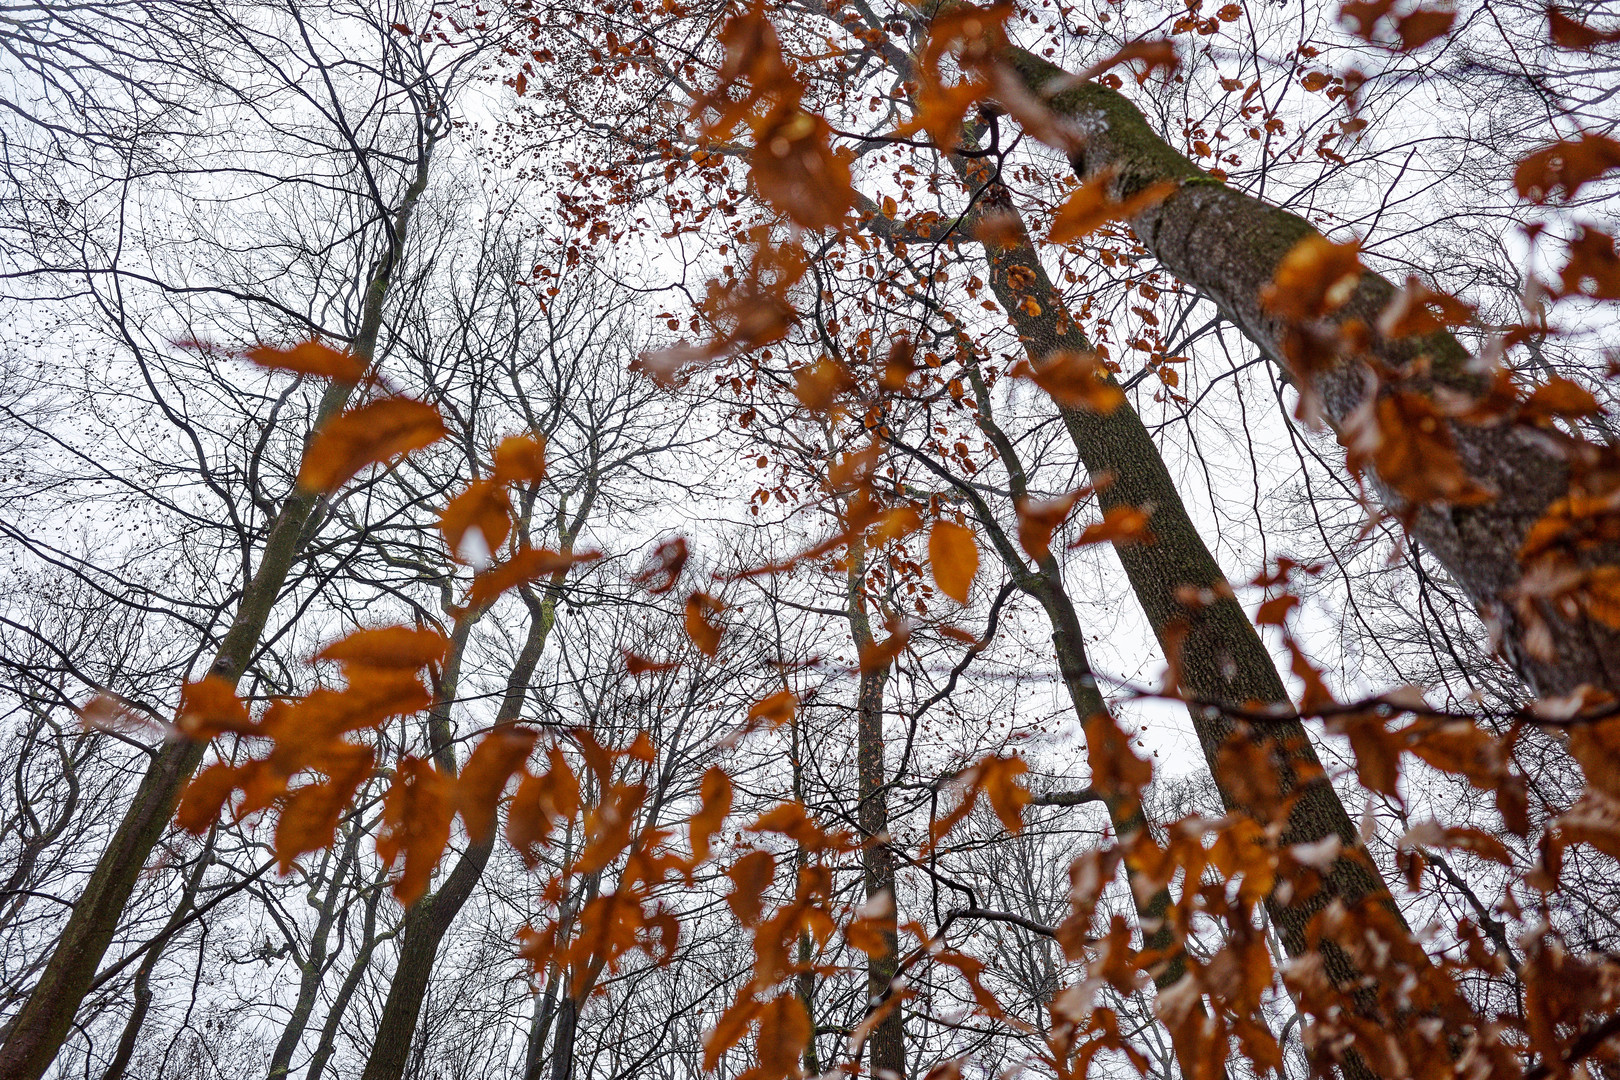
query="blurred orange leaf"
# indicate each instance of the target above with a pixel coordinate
(311, 358)
(373, 433)
(416, 824)
(953, 555)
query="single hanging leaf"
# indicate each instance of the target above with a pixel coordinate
(797, 171)
(1074, 379)
(415, 824)
(1091, 207)
(390, 647)
(311, 358)
(521, 459)
(701, 627)
(953, 556)
(484, 506)
(210, 707)
(1038, 518)
(369, 435)
(715, 804)
(491, 764)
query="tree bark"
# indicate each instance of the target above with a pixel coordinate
(1228, 245)
(38, 1030)
(886, 1047)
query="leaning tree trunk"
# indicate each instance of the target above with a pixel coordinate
(1229, 245)
(1222, 663)
(38, 1030)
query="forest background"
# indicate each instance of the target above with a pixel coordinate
(662, 539)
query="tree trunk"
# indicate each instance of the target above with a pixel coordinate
(429, 918)
(887, 1043)
(1223, 662)
(1228, 245)
(38, 1030)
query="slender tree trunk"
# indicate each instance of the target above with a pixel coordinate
(142, 990)
(313, 967)
(887, 1043)
(430, 918)
(369, 941)
(1228, 245)
(38, 1030)
(545, 1012)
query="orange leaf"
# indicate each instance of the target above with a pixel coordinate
(1120, 525)
(784, 1032)
(1593, 268)
(796, 170)
(311, 358)
(541, 801)
(416, 823)
(1570, 165)
(1091, 207)
(715, 804)
(880, 654)
(210, 707)
(309, 817)
(484, 777)
(818, 385)
(1038, 518)
(1316, 277)
(1077, 380)
(520, 459)
(953, 555)
(775, 710)
(389, 647)
(750, 876)
(637, 664)
(700, 625)
(484, 506)
(663, 569)
(526, 564)
(366, 436)
(1406, 439)
(206, 795)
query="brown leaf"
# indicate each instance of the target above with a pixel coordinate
(369, 435)
(750, 876)
(636, 664)
(309, 816)
(1571, 165)
(953, 555)
(478, 788)
(1120, 525)
(416, 824)
(205, 796)
(774, 711)
(521, 459)
(818, 385)
(701, 626)
(1593, 268)
(210, 707)
(1409, 442)
(880, 654)
(784, 1032)
(1038, 518)
(1422, 26)
(311, 358)
(1075, 379)
(1315, 278)
(1566, 33)
(526, 564)
(796, 170)
(663, 569)
(1417, 310)
(484, 506)
(404, 648)
(714, 805)
(1091, 207)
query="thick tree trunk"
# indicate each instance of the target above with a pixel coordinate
(1223, 662)
(1228, 245)
(37, 1032)
(886, 1047)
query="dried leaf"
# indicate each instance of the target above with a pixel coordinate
(210, 707)
(369, 435)
(484, 506)
(1315, 278)
(1092, 206)
(400, 648)
(1077, 380)
(701, 626)
(1570, 165)
(750, 876)
(663, 569)
(527, 564)
(520, 459)
(1408, 441)
(1038, 518)
(1422, 26)
(205, 796)
(311, 358)
(492, 763)
(1566, 33)
(416, 824)
(953, 555)
(796, 170)
(714, 804)
(1120, 525)
(774, 711)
